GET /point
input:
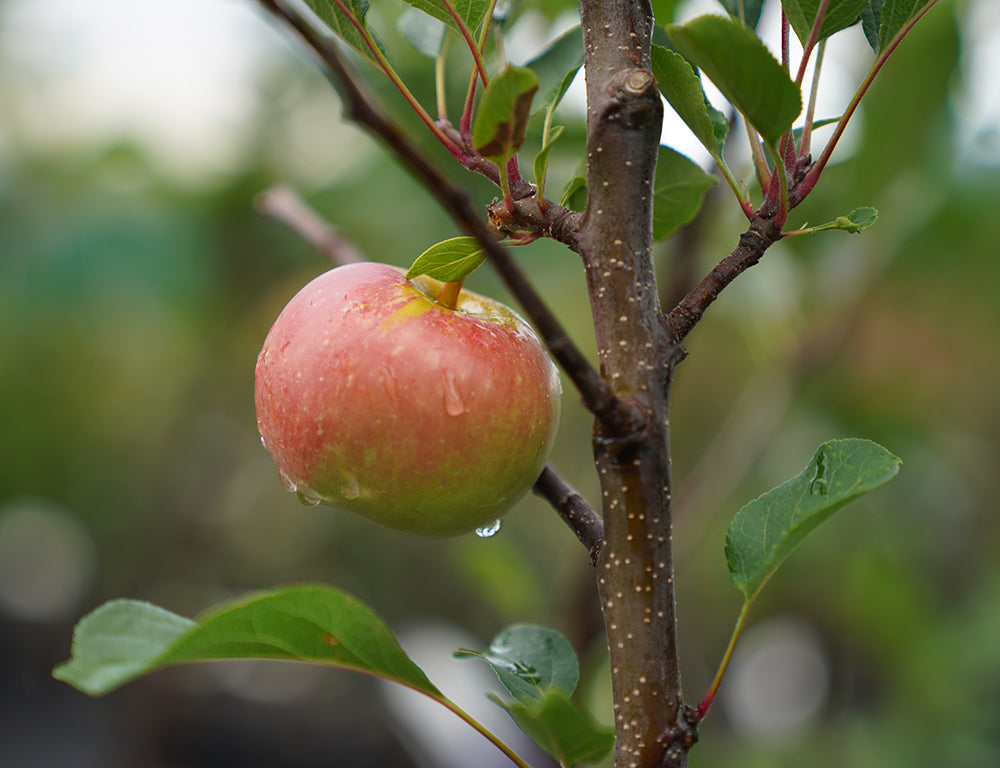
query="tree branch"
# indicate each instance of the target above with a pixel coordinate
(635, 570)
(761, 235)
(618, 415)
(585, 522)
(285, 206)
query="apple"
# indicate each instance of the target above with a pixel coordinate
(376, 399)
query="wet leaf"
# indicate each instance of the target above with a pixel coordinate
(124, 639)
(503, 113)
(678, 189)
(561, 729)
(450, 260)
(839, 15)
(531, 661)
(742, 67)
(769, 528)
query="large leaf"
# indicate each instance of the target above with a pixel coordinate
(348, 19)
(470, 12)
(124, 639)
(503, 113)
(681, 87)
(531, 662)
(450, 260)
(562, 730)
(839, 15)
(768, 529)
(742, 67)
(678, 189)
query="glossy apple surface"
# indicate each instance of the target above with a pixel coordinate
(379, 401)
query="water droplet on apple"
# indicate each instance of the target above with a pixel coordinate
(308, 496)
(488, 531)
(286, 482)
(453, 404)
(350, 489)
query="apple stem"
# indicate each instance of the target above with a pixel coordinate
(449, 294)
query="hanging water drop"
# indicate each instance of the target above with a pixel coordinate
(307, 496)
(286, 482)
(453, 404)
(350, 489)
(488, 531)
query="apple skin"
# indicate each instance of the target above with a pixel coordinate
(378, 401)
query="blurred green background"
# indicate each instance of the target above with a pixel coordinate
(137, 284)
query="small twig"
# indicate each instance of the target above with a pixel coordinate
(583, 519)
(616, 414)
(761, 235)
(286, 206)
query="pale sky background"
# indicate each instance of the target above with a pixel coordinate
(179, 77)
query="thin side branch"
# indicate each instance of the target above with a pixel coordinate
(286, 206)
(618, 415)
(583, 519)
(761, 235)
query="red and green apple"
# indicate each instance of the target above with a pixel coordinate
(377, 399)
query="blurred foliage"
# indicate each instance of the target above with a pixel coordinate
(132, 307)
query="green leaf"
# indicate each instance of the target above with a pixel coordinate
(747, 11)
(124, 639)
(449, 261)
(574, 195)
(503, 113)
(562, 730)
(557, 65)
(681, 86)
(871, 20)
(471, 12)
(678, 189)
(542, 159)
(423, 32)
(895, 15)
(839, 15)
(531, 661)
(856, 221)
(742, 67)
(769, 528)
(344, 22)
